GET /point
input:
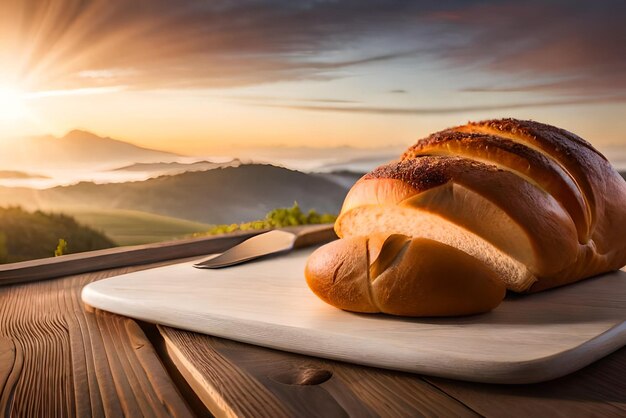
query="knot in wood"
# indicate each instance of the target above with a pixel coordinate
(303, 376)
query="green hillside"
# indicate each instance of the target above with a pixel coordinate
(128, 227)
(31, 235)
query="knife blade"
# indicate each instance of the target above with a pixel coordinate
(272, 242)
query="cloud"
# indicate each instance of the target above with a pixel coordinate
(279, 99)
(561, 46)
(452, 110)
(398, 91)
(143, 44)
(190, 43)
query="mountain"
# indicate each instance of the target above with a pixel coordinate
(177, 167)
(76, 150)
(223, 195)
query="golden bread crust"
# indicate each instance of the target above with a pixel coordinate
(408, 277)
(524, 161)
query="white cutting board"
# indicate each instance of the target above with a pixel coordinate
(526, 339)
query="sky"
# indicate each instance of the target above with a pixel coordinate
(196, 76)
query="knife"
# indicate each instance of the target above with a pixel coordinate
(272, 242)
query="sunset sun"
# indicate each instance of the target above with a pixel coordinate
(12, 103)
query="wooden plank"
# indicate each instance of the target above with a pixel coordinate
(66, 265)
(143, 254)
(235, 379)
(598, 390)
(57, 359)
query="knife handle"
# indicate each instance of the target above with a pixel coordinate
(313, 235)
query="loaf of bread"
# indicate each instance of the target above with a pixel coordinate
(534, 204)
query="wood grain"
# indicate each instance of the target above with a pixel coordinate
(236, 379)
(59, 359)
(56, 359)
(598, 390)
(268, 303)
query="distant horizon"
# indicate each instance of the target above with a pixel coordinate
(246, 147)
(233, 146)
(118, 165)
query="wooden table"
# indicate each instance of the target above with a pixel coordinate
(59, 359)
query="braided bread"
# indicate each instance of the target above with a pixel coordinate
(534, 206)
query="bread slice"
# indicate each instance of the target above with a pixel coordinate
(518, 229)
(417, 223)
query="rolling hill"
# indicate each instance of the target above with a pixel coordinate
(223, 195)
(27, 236)
(128, 227)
